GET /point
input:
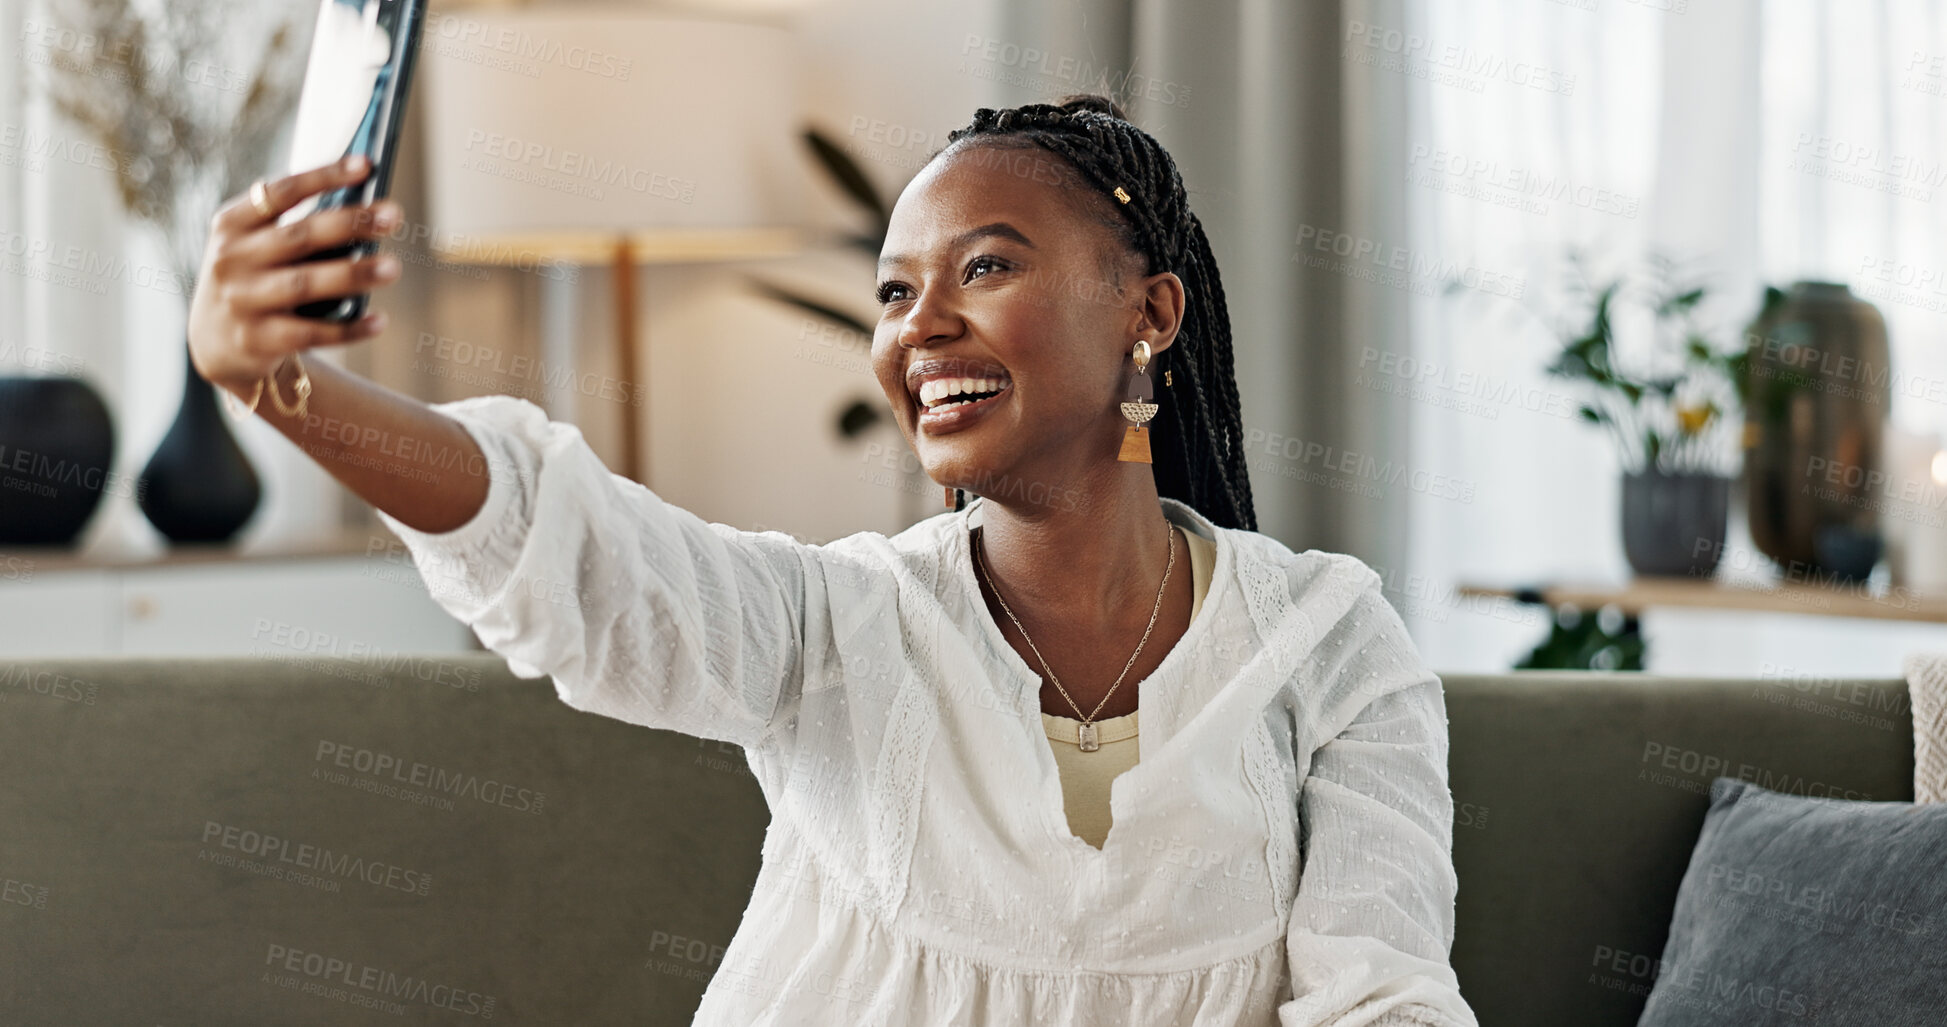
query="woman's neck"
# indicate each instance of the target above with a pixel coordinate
(1094, 556)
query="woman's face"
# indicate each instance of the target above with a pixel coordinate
(990, 274)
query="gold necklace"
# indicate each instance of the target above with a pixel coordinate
(1085, 731)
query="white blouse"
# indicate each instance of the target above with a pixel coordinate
(1281, 855)
(1087, 777)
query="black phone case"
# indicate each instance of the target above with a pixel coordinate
(390, 103)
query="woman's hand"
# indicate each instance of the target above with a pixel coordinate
(242, 322)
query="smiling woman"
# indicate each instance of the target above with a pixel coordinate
(1246, 819)
(1066, 170)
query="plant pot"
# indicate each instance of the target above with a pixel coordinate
(1674, 524)
(198, 486)
(56, 444)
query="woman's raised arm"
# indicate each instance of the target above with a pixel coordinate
(394, 451)
(637, 608)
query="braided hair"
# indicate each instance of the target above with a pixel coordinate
(1199, 456)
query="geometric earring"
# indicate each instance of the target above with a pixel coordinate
(1138, 408)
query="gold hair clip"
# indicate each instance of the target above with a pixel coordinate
(1120, 195)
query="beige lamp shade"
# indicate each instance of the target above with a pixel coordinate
(611, 137)
(556, 132)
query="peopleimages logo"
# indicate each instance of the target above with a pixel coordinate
(1396, 266)
(32, 145)
(378, 984)
(1124, 84)
(1821, 905)
(274, 849)
(1697, 769)
(79, 267)
(21, 893)
(575, 165)
(524, 45)
(71, 50)
(50, 683)
(433, 779)
(1513, 185)
(1451, 64)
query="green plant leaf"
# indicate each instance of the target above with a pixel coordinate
(1679, 303)
(1666, 387)
(866, 243)
(859, 415)
(1569, 364)
(1602, 303)
(1591, 414)
(1738, 366)
(849, 176)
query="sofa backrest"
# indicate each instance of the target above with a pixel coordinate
(345, 840)
(1579, 795)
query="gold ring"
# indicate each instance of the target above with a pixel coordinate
(260, 198)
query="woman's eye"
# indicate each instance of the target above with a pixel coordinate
(988, 261)
(887, 293)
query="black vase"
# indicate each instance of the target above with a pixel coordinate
(1821, 388)
(1674, 524)
(57, 443)
(198, 487)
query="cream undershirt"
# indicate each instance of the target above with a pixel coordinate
(1086, 776)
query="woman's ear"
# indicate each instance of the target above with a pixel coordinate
(1159, 310)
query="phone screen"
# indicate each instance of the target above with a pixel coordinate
(353, 97)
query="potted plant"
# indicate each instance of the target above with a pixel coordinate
(1671, 414)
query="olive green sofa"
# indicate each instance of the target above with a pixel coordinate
(432, 840)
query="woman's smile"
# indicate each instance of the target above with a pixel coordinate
(963, 409)
(952, 393)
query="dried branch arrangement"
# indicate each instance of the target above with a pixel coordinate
(186, 98)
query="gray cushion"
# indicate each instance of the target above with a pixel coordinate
(1578, 799)
(1808, 910)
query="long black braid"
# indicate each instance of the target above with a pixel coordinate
(1199, 432)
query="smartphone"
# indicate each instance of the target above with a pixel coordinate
(352, 102)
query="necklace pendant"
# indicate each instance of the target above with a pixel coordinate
(1085, 736)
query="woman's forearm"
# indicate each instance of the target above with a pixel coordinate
(395, 452)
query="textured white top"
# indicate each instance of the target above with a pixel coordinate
(1087, 777)
(916, 869)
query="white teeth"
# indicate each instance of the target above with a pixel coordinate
(938, 389)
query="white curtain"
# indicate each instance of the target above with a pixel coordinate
(10, 185)
(1276, 140)
(1764, 143)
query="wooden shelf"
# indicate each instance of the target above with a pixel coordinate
(51, 559)
(1642, 593)
(218, 600)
